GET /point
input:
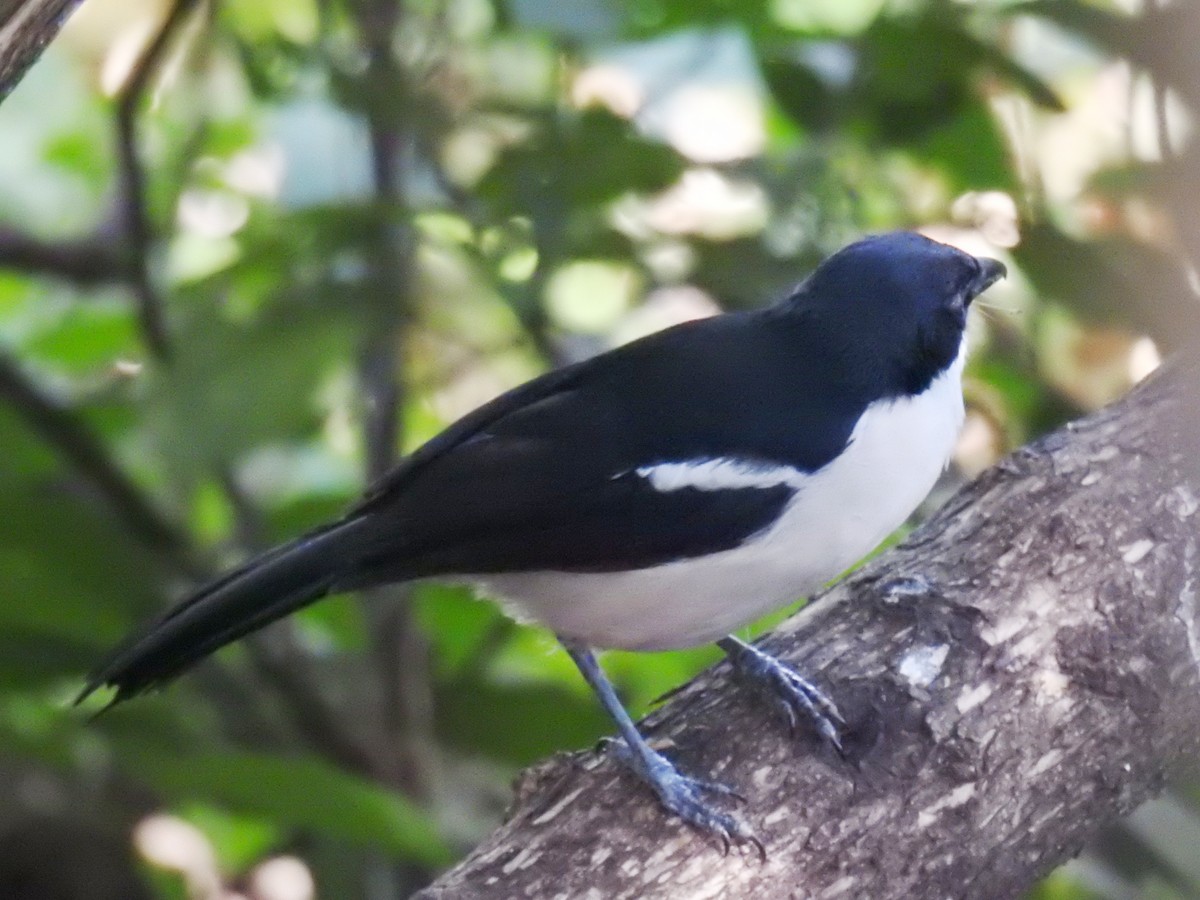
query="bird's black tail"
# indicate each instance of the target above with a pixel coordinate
(264, 589)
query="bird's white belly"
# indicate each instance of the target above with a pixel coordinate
(838, 514)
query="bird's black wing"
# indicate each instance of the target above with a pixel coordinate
(546, 477)
(465, 429)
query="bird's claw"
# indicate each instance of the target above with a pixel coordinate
(683, 796)
(790, 693)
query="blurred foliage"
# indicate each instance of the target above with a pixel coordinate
(486, 188)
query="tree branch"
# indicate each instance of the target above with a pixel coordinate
(401, 650)
(139, 237)
(26, 28)
(279, 660)
(86, 261)
(1019, 673)
(67, 434)
(120, 251)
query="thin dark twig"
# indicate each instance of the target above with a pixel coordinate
(250, 528)
(121, 252)
(84, 261)
(275, 660)
(486, 649)
(401, 650)
(392, 249)
(139, 235)
(280, 662)
(64, 431)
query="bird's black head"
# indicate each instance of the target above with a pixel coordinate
(895, 305)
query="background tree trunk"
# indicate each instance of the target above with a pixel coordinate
(1020, 672)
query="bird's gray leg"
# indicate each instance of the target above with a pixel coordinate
(679, 793)
(789, 691)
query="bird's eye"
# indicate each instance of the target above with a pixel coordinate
(951, 288)
(957, 283)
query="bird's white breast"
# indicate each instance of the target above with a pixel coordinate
(838, 514)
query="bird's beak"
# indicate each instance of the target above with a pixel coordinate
(990, 271)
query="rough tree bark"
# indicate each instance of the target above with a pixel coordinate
(1020, 672)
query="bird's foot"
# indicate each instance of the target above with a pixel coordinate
(685, 796)
(787, 690)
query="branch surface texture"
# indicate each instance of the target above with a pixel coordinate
(26, 28)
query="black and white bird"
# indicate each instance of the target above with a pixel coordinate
(659, 495)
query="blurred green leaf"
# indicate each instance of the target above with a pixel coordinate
(88, 337)
(234, 386)
(878, 84)
(1062, 886)
(67, 571)
(167, 885)
(256, 20)
(337, 622)
(577, 161)
(31, 659)
(458, 624)
(77, 153)
(516, 723)
(971, 151)
(643, 678)
(301, 793)
(802, 94)
(25, 455)
(653, 17)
